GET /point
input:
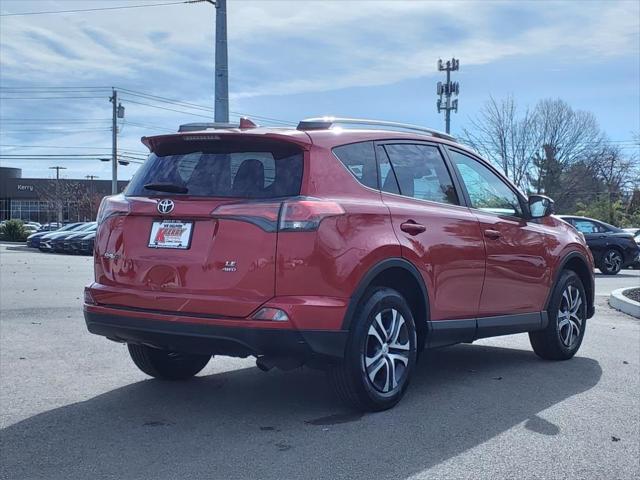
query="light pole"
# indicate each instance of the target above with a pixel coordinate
(58, 200)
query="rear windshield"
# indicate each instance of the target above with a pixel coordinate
(236, 169)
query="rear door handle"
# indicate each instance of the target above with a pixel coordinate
(412, 228)
(493, 234)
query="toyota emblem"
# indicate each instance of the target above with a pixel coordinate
(165, 206)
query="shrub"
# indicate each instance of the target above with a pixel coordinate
(13, 231)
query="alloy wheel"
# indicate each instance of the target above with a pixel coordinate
(613, 261)
(570, 316)
(387, 350)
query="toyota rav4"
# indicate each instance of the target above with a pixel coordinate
(346, 245)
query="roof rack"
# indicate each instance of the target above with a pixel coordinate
(323, 123)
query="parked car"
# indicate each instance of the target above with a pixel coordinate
(29, 229)
(346, 250)
(45, 243)
(84, 245)
(613, 249)
(70, 243)
(636, 265)
(49, 227)
(59, 242)
(34, 239)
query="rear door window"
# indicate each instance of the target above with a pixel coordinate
(223, 170)
(421, 172)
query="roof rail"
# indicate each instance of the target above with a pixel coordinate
(323, 123)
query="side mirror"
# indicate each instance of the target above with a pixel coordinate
(541, 206)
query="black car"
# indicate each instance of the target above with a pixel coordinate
(84, 245)
(613, 249)
(57, 242)
(70, 243)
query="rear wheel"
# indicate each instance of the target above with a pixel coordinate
(562, 337)
(165, 364)
(380, 354)
(611, 262)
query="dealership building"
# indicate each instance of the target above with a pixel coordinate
(40, 199)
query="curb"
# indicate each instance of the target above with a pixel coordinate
(618, 301)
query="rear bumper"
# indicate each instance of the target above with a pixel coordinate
(307, 345)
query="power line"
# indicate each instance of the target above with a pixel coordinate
(45, 130)
(48, 98)
(73, 146)
(169, 109)
(120, 7)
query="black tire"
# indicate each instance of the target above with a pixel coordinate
(611, 262)
(558, 341)
(350, 378)
(165, 364)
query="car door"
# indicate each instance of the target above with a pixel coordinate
(595, 235)
(518, 270)
(437, 234)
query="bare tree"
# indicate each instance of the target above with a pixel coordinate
(504, 138)
(565, 137)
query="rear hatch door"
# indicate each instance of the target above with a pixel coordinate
(169, 250)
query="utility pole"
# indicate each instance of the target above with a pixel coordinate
(117, 112)
(221, 101)
(221, 107)
(58, 199)
(447, 90)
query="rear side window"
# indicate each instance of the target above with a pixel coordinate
(360, 160)
(222, 169)
(421, 173)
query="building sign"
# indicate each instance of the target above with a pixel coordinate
(28, 188)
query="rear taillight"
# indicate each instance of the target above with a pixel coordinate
(306, 214)
(263, 214)
(296, 215)
(113, 205)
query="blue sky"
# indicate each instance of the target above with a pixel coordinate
(294, 59)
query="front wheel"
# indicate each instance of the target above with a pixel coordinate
(562, 337)
(165, 364)
(611, 262)
(380, 355)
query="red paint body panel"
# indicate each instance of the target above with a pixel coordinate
(449, 254)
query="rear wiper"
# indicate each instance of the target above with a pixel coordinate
(166, 187)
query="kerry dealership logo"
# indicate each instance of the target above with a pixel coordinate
(165, 206)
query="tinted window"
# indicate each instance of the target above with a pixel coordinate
(216, 169)
(360, 159)
(421, 172)
(487, 190)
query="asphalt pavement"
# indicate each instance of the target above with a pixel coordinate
(73, 406)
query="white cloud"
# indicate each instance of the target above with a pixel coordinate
(287, 47)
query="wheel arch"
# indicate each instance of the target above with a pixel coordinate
(402, 276)
(576, 262)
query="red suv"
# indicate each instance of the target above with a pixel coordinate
(346, 249)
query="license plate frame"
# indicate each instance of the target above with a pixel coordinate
(171, 234)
